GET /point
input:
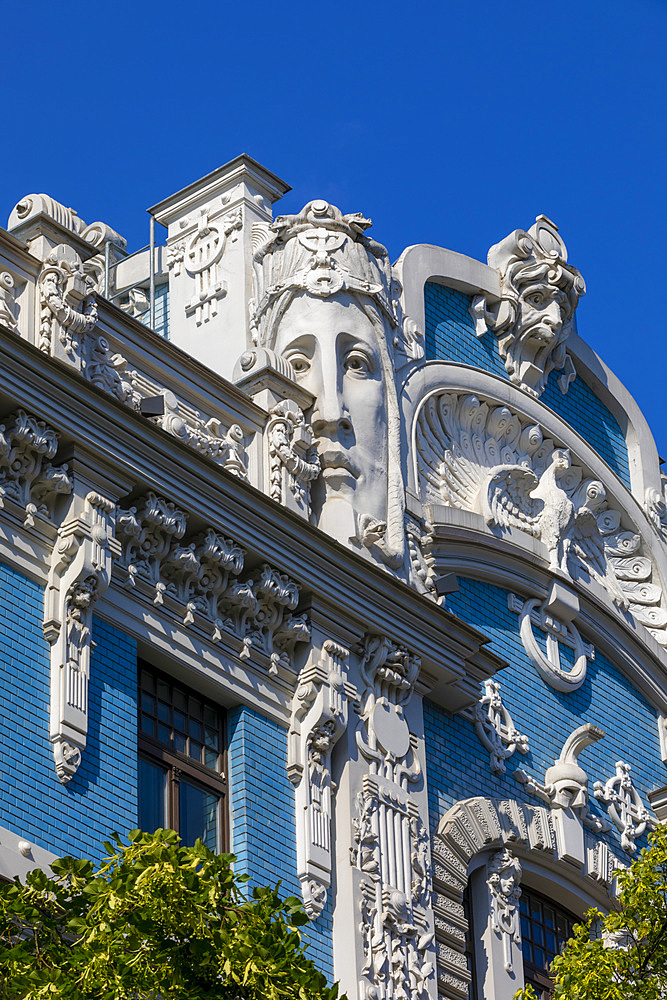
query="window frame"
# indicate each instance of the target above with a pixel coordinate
(535, 974)
(179, 765)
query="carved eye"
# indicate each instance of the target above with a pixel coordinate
(357, 364)
(299, 363)
(535, 298)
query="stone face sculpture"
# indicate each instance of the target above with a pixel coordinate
(539, 294)
(327, 301)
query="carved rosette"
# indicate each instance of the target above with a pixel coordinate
(293, 459)
(68, 310)
(495, 728)
(202, 577)
(391, 845)
(80, 571)
(26, 474)
(319, 718)
(626, 809)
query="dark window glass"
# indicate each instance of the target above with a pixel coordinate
(545, 929)
(181, 781)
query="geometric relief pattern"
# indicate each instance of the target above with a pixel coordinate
(483, 457)
(479, 825)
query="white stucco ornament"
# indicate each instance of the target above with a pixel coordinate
(539, 294)
(624, 804)
(326, 299)
(503, 878)
(495, 729)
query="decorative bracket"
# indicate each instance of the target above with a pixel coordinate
(554, 618)
(80, 571)
(495, 728)
(319, 718)
(626, 809)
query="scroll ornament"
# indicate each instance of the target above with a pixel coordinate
(480, 456)
(80, 572)
(319, 718)
(8, 306)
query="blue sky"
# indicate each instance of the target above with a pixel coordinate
(447, 123)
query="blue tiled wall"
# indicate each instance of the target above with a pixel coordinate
(262, 818)
(458, 764)
(450, 336)
(101, 797)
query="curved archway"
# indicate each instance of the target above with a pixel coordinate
(476, 827)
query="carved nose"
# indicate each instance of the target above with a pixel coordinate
(330, 412)
(552, 316)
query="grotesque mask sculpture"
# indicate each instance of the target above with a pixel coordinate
(539, 294)
(326, 300)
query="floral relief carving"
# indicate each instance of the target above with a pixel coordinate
(202, 576)
(26, 474)
(483, 457)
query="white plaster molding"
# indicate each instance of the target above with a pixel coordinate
(478, 455)
(19, 856)
(565, 788)
(68, 310)
(27, 476)
(558, 628)
(319, 718)
(8, 306)
(293, 458)
(80, 571)
(656, 508)
(199, 256)
(472, 829)
(390, 845)
(503, 878)
(495, 729)
(539, 292)
(202, 578)
(624, 804)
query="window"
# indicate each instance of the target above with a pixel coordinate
(544, 930)
(470, 945)
(182, 782)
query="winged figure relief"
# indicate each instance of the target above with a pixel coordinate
(480, 456)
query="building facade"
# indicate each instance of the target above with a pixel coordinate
(354, 569)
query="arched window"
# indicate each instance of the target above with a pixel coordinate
(545, 928)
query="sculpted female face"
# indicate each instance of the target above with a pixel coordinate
(334, 350)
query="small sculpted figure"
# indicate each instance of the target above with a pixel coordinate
(326, 300)
(534, 317)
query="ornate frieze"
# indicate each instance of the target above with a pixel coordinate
(624, 804)
(80, 571)
(26, 474)
(483, 457)
(8, 307)
(539, 294)
(495, 728)
(503, 877)
(536, 614)
(202, 576)
(391, 849)
(319, 718)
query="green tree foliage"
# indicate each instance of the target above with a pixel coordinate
(621, 955)
(156, 921)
